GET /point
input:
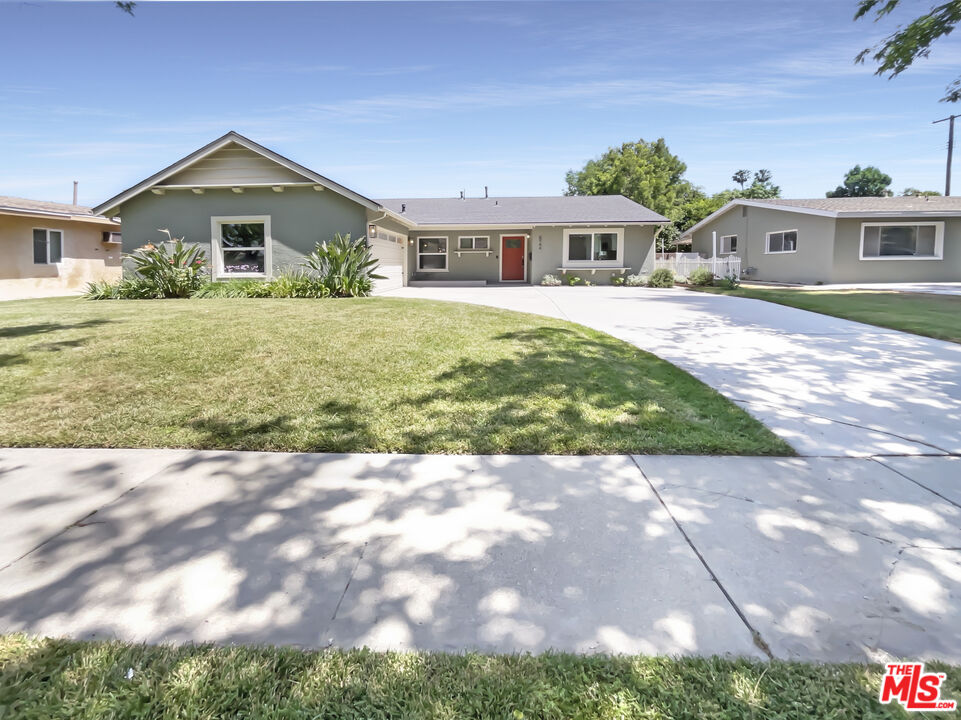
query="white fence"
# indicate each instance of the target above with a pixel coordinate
(683, 263)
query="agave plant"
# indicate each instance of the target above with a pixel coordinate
(344, 267)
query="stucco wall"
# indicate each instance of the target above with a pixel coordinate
(470, 265)
(849, 268)
(812, 262)
(299, 218)
(85, 257)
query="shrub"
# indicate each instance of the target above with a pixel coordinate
(617, 279)
(343, 266)
(296, 284)
(588, 283)
(701, 276)
(101, 290)
(231, 289)
(730, 282)
(635, 280)
(572, 280)
(173, 273)
(551, 280)
(661, 278)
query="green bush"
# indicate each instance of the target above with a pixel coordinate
(573, 280)
(344, 267)
(296, 284)
(158, 272)
(101, 290)
(730, 282)
(661, 278)
(701, 276)
(231, 289)
(617, 279)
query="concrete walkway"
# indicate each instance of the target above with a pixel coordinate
(815, 558)
(827, 386)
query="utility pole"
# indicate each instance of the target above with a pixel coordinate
(947, 175)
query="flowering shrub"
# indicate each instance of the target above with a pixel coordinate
(635, 280)
(550, 280)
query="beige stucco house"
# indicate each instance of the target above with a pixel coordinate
(837, 240)
(49, 248)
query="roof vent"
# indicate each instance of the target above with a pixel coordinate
(403, 207)
(461, 194)
(485, 192)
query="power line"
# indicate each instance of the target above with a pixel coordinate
(947, 174)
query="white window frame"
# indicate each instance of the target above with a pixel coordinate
(216, 235)
(617, 262)
(446, 253)
(729, 251)
(767, 242)
(47, 246)
(938, 241)
(473, 245)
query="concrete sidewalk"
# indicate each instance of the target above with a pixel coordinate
(814, 558)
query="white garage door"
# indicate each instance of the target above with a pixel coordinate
(389, 253)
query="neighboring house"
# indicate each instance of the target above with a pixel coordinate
(49, 248)
(838, 240)
(256, 213)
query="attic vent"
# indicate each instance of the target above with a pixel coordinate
(743, 210)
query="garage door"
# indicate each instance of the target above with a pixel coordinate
(388, 250)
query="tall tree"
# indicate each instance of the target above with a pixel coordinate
(895, 53)
(866, 182)
(741, 177)
(647, 173)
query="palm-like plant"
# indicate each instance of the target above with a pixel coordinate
(173, 273)
(345, 267)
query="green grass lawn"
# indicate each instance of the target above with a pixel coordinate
(51, 679)
(356, 375)
(937, 316)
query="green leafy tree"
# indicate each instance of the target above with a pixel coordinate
(647, 173)
(866, 182)
(896, 52)
(914, 192)
(762, 187)
(741, 177)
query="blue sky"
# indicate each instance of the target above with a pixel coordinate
(426, 99)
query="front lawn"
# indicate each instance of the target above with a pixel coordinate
(351, 375)
(60, 679)
(937, 316)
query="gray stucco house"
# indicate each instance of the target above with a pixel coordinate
(837, 240)
(256, 212)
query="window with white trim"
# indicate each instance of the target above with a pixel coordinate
(902, 241)
(432, 254)
(728, 244)
(241, 246)
(589, 246)
(477, 242)
(781, 241)
(47, 246)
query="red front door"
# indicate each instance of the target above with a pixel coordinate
(512, 257)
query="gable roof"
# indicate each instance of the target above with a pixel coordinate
(232, 137)
(854, 207)
(23, 206)
(564, 210)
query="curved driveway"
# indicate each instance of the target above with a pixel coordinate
(829, 387)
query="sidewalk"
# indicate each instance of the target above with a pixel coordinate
(814, 558)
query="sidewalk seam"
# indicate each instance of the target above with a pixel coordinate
(755, 635)
(78, 521)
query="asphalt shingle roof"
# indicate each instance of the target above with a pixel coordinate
(872, 204)
(522, 210)
(15, 203)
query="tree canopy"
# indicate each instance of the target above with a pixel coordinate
(647, 173)
(914, 192)
(895, 53)
(863, 182)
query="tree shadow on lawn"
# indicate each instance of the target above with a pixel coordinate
(564, 391)
(44, 328)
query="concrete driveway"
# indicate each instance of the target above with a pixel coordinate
(798, 558)
(829, 387)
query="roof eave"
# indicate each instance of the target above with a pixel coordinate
(116, 201)
(71, 217)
